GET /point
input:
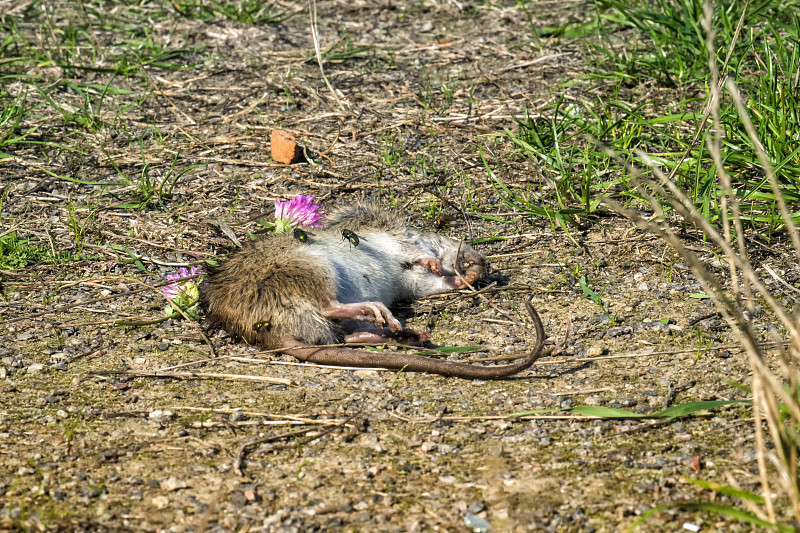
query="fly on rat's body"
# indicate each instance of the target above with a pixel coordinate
(310, 292)
(351, 237)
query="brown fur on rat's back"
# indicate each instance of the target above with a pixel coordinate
(270, 281)
(368, 215)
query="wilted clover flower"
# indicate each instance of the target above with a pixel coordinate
(299, 211)
(184, 294)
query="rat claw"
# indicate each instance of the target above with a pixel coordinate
(378, 315)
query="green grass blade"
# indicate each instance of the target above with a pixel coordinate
(724, 510)
(725, 489)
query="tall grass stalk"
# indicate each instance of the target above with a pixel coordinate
(776, 397)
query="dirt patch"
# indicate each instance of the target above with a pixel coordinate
(418, 85)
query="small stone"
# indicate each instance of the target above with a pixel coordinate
(360, 505)
(444, 449)
(160, 502)
(476, 508)
(428, 446)
(35, 368)
(594, 399)
(110, 455)
(619, 331)
(594, 351)
(476, 523)
(160, 416)
(284, 148)
(172, 483)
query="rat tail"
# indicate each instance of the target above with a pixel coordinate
(416, 363)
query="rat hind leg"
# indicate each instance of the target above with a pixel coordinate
(374, 312)
(384, 335)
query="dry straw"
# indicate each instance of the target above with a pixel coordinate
(775, 393)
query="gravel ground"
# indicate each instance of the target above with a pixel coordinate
(93, 440)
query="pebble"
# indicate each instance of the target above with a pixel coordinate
(619, 331)
(35, 368)
(476, 523)
(428, 446)
(594, 351)
(160, 416)
(476, 508)
(594, 399)
(172, 483)
(160, 502)
(627, 402)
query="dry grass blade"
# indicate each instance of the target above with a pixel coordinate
(197, 375)
(312, 13)
(310, 435)
(775, 400)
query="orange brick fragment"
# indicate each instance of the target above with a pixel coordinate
(284, 147)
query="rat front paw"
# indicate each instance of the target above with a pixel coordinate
(431, 263)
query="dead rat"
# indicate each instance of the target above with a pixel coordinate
(284, 292)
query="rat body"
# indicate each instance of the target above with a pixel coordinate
(286, 293)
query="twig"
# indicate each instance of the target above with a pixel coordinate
(102, 299)
(312, 11)
(237, 463)
(194, 375)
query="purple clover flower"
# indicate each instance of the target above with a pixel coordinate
(299, 211)
(174, 290)
(183, 295)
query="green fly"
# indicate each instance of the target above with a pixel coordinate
(300, 235)
(350, 236)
